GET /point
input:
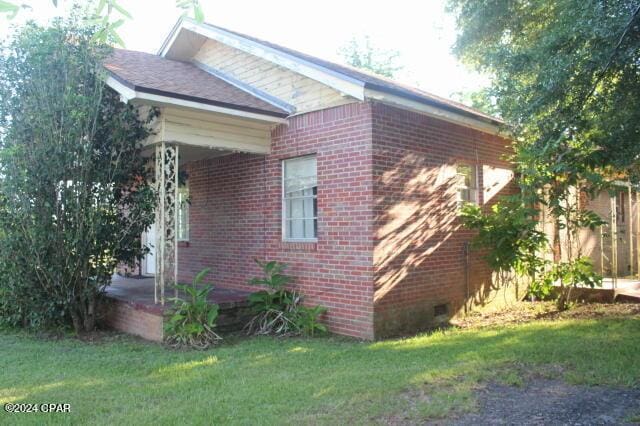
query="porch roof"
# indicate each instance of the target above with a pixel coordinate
(155, 75)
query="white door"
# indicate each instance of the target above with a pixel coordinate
(150, 258)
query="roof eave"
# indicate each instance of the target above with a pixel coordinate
(434, 111)
(146, 96)
(348, 85)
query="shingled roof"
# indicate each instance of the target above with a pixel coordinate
(153, 74)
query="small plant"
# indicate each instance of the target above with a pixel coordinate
(569, 275)
(307, 320)
(279, 311)
(193, 319)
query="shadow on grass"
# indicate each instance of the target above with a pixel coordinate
(266, 380)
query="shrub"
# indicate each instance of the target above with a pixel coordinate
(278, 310)
(192, 320)
(569, 275)
(75, 191)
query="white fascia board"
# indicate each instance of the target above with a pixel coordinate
(344, 84)
(126, 93)
(137, 97)
(434, 112)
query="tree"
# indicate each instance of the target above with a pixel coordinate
(566, 78)
(362, 54)
(478, 99)
(75, 191)
(565, 74)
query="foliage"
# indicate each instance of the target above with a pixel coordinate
(192, 320)
(102, 14)
(307, 320)
(565, 68)
(481, 99)
(362, 54)
(75, 193)
(578, 272)
(510, 234)
(565, 77)
(278, 310)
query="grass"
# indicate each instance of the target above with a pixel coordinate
(122, 380)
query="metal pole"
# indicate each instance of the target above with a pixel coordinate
(176, 208)
(637, 234)
(163, 230)
(630, 220)
(614, 242)
(602, 249)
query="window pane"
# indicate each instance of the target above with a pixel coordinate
(309, 228)
(182, 227)
(300, 192)
(296, 227)
(297, 208)
(299, 173)
(466, 183)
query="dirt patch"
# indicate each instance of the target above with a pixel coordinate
(544, 401)
(523, 312)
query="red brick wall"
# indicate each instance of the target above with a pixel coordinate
(389, 242)
(126, 317)
(419, 257)
(235, 216)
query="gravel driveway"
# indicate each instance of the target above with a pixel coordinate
(553, 402)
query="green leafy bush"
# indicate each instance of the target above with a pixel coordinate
(568, 275)
(75, 189)
(192, 320)
(509, 232)
(307, 320)
(278, 310)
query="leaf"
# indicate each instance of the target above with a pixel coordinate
(200, 276)
(116, 38)
(120, 9)
(211, 317)
(100, 7)
(10, 8)
(198, 13)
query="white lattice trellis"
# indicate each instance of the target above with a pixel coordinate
(166, 219)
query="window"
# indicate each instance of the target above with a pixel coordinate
(183, 214)
(467, 183)
(300, 199)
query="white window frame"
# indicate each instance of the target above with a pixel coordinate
(474, 191)
(183, 193)
(285, 199)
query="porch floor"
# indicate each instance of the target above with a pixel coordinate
(626, 290)
(140, 293)
(132, 308)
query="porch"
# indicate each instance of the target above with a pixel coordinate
(200, 115)
(132, 308)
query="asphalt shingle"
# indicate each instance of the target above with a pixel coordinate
(154, 74)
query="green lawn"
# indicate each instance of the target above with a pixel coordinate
(256, 381)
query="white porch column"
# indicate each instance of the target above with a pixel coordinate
(166, 169)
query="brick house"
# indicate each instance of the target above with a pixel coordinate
(351, 179)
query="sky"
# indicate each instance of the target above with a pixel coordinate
(420, 30)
